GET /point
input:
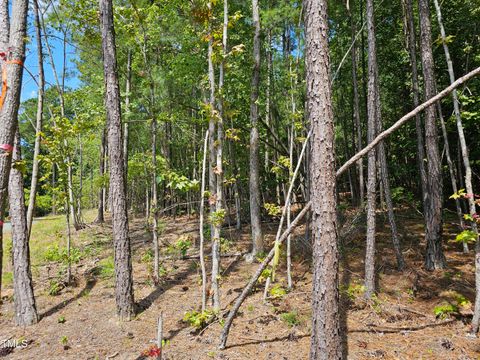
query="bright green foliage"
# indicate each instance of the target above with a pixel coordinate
(199, 320)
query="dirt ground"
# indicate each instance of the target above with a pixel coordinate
(399, 324)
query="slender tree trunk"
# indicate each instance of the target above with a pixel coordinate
(411, 40)
(326, 341)
(38, 126)
(373, 108)
(101, 193)
(202, 240)
(25, 308)
(123, 260)
(356, 109)
(434, 258)
(128, 89)
(156, 250)
(466, 164)
(254, 179)
(12, 40)
(60, 88)
(211, 119)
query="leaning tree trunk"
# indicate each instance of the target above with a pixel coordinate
(12, 41)
(373, 108)
(326, 341)
(38, 125)
(257, 237)
(123, 259)
(434, 258)
(25, 308)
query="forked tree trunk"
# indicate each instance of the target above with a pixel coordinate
(434, 258)
(326, 341)
(38, 125)
(25, 308)
(12, 39)
(254, 179)
(123, 259)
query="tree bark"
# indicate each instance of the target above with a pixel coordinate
(434, 258)
(326, 341)
(38, 125)
(202, 240)
(25, 308)
(128, 89)
(123, 260)
(373, 115)
(254, 180)
(12, 43)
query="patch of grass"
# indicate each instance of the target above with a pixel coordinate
(290, 318)
(106, 268)
(7, 278)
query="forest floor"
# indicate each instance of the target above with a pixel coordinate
(79, 322)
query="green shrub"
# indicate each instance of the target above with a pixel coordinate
(199, 320)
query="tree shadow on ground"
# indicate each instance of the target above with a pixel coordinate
(91, 282)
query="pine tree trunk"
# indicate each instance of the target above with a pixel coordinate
(434, 258)
(25, 308)
(123, 260)
(38, 125)
(373, 115)
(326, 341)
(254, 180)
(12, 40)
(128, 89)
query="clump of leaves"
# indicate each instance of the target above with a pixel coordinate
(199, 320)
(147, 257)
(264, 276)
(277, 292)
(217, 217)
(55, 254)
(272, 209)
(290, 318)
(445, 310)
(61, 320)
(153, 351)
(466, 236)
(353, 291)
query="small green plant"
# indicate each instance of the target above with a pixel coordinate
(199, 320)
(273, 209)
(290, 318)
(55, 286)
(466, 237)
(225, 245)
(147, 257)
(445, 310)
(264, 276)
(64, 342)
(217, 217)
(61, 320)
(55, 254)
(250, 307)
(277, 292)
(353, 291)
(182, 245)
